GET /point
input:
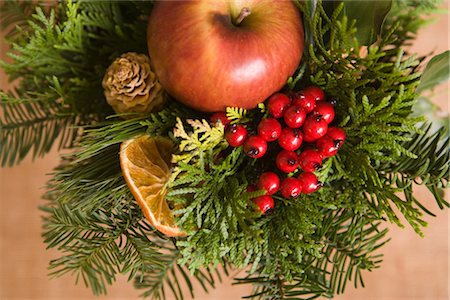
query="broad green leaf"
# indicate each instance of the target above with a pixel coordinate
(436, 72)
(369, 16)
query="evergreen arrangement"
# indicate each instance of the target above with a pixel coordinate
(307, 248)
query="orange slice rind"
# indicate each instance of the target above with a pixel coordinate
(146, 167)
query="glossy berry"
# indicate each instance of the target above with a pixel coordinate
(269, 129)
(337, 134)
(310, 160)
(287, 161)
(314, 128)
(290, 139)
(309, 182)
(327, 146)
(324, 109)
(306, 102)
(220, 117)
(270, 182)
(294, 116)
(265, 203)
(277, 104)
(290, 188)
(236, 135)
(255, 146)
(315, 92)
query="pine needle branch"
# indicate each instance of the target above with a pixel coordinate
(15, 14)
(169, 275)
(61, 55)
(349, 241)
(34, 125)
(431, 167)
(93, 220)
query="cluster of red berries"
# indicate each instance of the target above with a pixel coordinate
(306, 116)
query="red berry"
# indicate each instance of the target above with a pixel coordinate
(310, 160)
(315, 92)
(236, 135)
(327, 146)
(324, 109)
(277, 104)
(314, 128)
(287, 161)
(337, 134)
(220, 117)
(290, 139)
(269, 129)
(307, 102)
(309, 182)
(265, 203)
(255, 147)
(270, 182)
(294, 116)
(290, 188)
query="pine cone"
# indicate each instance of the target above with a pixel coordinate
(131, 86)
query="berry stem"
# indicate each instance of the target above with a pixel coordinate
(291, 161)
(253, 151)
(245, 12)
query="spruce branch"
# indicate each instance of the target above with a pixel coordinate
(155, 272)
(92, 219)
(101, 233)
(349, 240)
(85, 221)
(106, 134)
(431, 167)
(169, 275)
(34, 124)
(90, 250)
(14, 15)
(61, 55)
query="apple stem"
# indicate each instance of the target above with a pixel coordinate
(245, 12)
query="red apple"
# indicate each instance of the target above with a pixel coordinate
(210, 54)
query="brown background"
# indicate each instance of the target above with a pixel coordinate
(413, 268)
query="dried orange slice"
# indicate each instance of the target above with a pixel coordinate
(146, 166)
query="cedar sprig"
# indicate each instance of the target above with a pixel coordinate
(214, 200)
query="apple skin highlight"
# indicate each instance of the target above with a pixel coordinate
(208, 60)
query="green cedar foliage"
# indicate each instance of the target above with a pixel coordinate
(308, 247)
